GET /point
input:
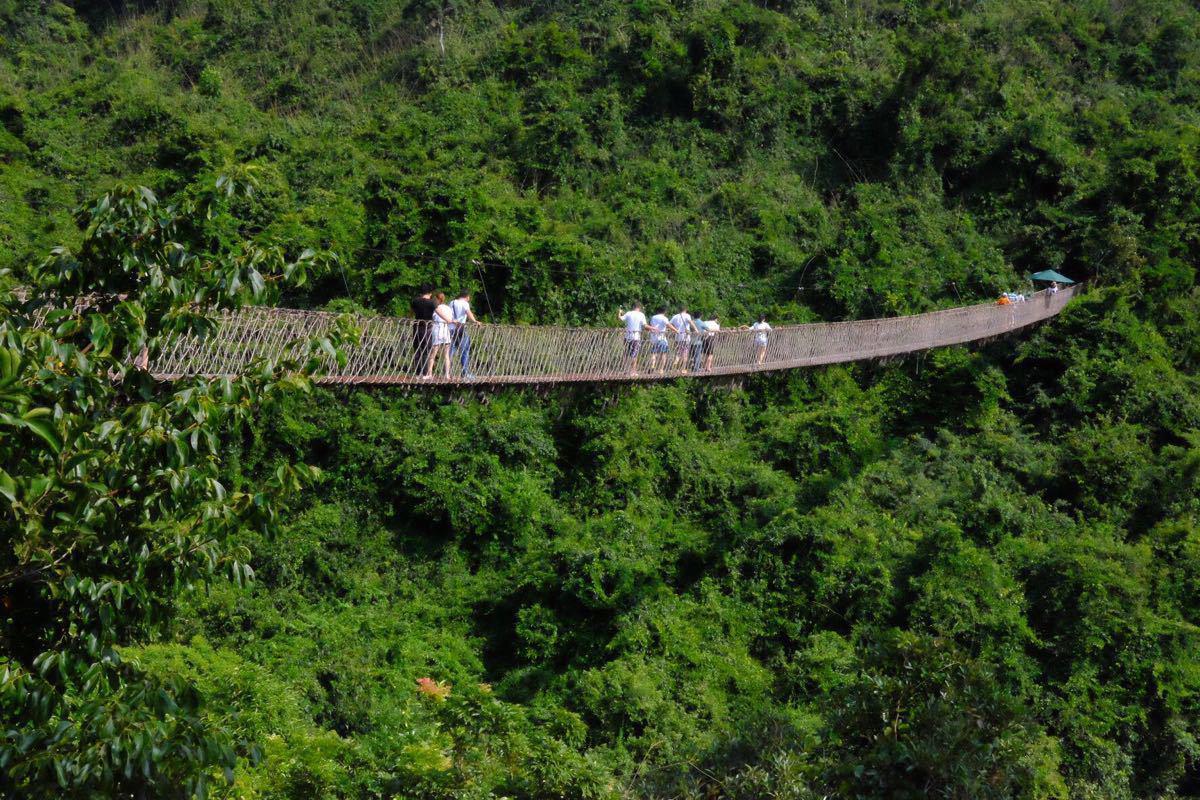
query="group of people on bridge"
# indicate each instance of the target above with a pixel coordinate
(1008, 298)
(695, 339)
(445, 335)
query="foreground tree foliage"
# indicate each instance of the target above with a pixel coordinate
(970, 574)
(114, 497)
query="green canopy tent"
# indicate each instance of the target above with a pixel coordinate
(1050, 275)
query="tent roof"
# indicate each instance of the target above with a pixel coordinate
(1050, 275)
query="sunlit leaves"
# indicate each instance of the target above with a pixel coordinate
(113, 490)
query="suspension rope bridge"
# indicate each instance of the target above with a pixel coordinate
(392, 350)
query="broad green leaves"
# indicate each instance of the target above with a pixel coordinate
(113, 498)
(35, 421)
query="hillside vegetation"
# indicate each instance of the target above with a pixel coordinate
(970, 574)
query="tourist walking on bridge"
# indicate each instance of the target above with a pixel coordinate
(696, 348)
(707, 341)
(762, 331)
(634, 321)
(684, 326)
(460, 341)
(422, 308)
(660, 349)
(442, 320)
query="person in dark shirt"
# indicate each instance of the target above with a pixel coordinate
(422, 308)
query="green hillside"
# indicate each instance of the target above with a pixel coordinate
(969, 574)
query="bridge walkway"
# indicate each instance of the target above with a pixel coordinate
(522, 354)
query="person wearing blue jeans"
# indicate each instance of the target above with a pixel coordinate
(696, 351)
(660, 349)
(460, 307)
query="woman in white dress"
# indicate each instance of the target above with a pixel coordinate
(443, 319)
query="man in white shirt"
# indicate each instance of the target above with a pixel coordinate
(460, 307)
(634, 321)
(660, 350)
(683, 325)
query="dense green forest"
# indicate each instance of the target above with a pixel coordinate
(969, 574)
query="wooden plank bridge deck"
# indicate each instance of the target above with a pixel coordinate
(520, 354)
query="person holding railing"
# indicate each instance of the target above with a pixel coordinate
(705, 345)
(422, 308)
(660, 350)
(634, 321)
(762, 331)
(442, 319)
(696, 348)
(684, 326)
(460, 341)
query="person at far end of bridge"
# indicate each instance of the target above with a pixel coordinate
(683, 325)
(443, 320)
(460, 341)
(422, 307)
(660, 349)
(634, 321)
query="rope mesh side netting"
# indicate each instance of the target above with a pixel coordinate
(512, 354)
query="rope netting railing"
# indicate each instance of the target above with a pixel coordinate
(393, 350)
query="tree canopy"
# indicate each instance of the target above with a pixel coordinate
(974, 573)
